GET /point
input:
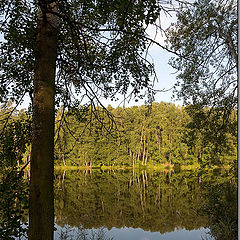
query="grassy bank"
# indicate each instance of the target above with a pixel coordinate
(159, 167)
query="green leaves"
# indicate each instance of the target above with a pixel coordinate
(205, 37)
(14, 139)
(16, 49)
(100, 49)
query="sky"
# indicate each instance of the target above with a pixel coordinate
(164, 71)
(166, 77)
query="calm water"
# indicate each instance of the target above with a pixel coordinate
(141, 205)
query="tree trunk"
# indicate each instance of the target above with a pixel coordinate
(41, 200)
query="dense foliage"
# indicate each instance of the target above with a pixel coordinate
(13, 183)
(205, 38)
(160, 134)
(136, 136)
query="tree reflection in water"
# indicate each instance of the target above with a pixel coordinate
(70, 233)
(153, 201)
(222, 211)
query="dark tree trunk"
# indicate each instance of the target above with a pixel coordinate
(41, 201)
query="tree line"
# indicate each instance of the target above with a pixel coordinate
(136, 136)
(158, 134)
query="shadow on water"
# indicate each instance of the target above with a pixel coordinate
(222, 211)
(221, 205)
(13, 204)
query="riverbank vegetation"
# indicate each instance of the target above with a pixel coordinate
(158, 136)
(161, 137)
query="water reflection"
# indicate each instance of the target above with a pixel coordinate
(80, 233)
(130, 233)
(222, 211)
(156, 202)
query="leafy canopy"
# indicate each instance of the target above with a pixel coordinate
(102, 49)
(205, 38)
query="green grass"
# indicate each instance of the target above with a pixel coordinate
(150, 167)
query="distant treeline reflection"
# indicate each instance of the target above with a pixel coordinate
(155, 201)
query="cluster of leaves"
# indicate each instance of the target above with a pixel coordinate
(13, 184)
(205, 38)
(15, 137)
(18, 30)
(102, 44)
(213, 130)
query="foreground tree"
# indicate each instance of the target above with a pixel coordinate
(41, 207)
(98, 49)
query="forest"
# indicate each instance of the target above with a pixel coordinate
(160, 137)
(161, 134)
(64, 57)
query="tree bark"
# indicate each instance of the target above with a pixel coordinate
(41, 200)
